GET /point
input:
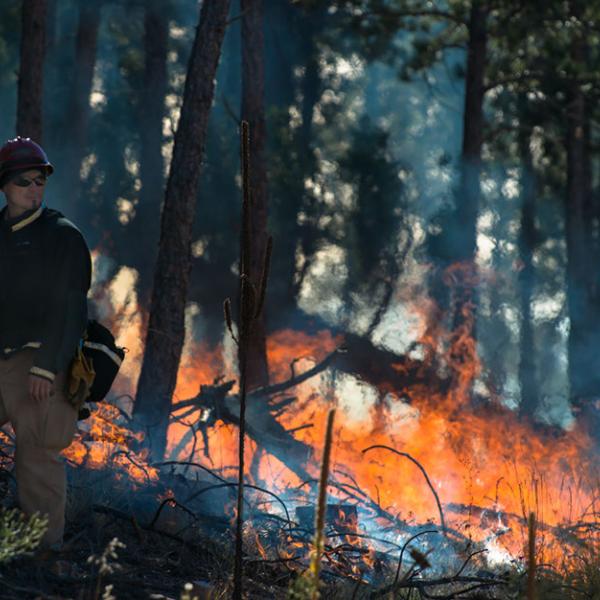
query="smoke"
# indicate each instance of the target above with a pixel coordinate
(336, 246)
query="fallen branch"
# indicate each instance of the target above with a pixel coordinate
(416, 462)
(173, 502)
(404, 547)
(187, 463)
(246, 485)
(565, 534)
(422, 584)
(282, 386)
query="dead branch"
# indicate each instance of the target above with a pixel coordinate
(416, 462)
(119, 514)
(188, 464)
(294, 380)
(173, 502)
(468, 560)
(566, 533)
(422, 584)
(246, 485)
(366, 501)
(404, 547)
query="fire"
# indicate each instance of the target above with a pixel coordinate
(107, 444)
(487, 469)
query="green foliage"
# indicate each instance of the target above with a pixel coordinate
(18, 534)
(377, 212)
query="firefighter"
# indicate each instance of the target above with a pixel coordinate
(45, 271)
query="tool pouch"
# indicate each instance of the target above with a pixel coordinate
(81, 379)
(94, 367)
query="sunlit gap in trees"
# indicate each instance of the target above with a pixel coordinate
(499, 325)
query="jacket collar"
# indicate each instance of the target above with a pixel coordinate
(21, 221)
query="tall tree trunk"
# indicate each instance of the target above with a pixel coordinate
(152, 103)
(50, 25)
(78, 103)
(526, 243)
(31, 70)
(312, 89)
(456, 241)
(165, 335)
(294, 237)
(253, 111)
(473, 127)
(582, 354)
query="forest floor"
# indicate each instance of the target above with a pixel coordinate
(164, 545)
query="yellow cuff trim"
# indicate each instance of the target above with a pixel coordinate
(42, 373)
(27, 345)
(28, 220)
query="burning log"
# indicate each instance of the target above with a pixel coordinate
(382, 368)
(215, 403)
(379, 367)
(386, 370)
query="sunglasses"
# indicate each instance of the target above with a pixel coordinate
(24, 182)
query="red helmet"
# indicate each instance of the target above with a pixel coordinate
(22, 153)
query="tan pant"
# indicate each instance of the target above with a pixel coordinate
(42, 431)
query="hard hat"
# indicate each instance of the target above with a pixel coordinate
(21, 154)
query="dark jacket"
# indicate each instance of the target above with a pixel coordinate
(45, 273)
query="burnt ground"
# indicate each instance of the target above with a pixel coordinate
(168, 543)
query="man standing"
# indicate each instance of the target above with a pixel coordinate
(45, 271)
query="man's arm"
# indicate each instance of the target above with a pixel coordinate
(66, 310)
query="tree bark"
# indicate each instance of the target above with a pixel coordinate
(165, 334)
(312, 89)
(253, 111)
(50, 25)
(583, 378)
(473, 127)
(152, 103)
(526, 242)
(31, 70)
(293, 237)
(78, 103)
(456, 242)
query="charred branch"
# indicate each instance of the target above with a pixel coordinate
(420, 466)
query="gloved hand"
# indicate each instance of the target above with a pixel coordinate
(81, 378)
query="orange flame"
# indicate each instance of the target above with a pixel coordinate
(488, 468)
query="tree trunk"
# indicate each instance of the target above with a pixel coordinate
(292, 237)
(78, 103)
(527, 242)
(50, 25)
(147, 218)
(31, 70)
(312, 88)
(582, 355)
(253, 111)
(456, 242)
(470, 191)
(165, 335)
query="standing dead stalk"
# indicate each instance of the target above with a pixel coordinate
(315, 560)
(251, 299)
(531, 559)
